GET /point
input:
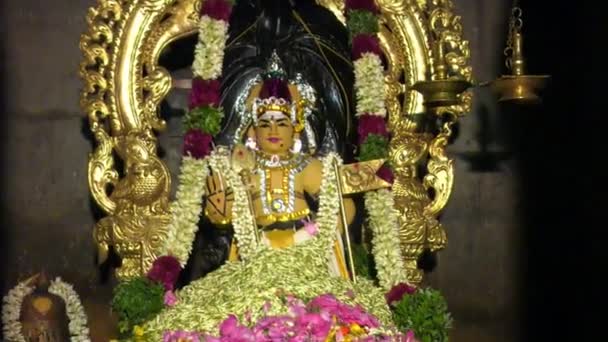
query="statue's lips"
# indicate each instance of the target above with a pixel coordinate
(274, 140)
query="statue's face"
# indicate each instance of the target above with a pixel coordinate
(274, 133)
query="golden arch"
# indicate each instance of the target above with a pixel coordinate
(124, 85)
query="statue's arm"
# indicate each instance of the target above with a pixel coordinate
(219, 199)
(313, 176)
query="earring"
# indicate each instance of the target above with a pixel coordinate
(297, 145)
(251, 144)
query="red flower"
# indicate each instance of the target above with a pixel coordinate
(371, 124)
(165, 270)
(197, 144)
(386, 173)
(364, 43)
(217, 9)
(204, 92)
(362, 5)
(397, 292)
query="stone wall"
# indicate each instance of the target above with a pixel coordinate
(49, 215)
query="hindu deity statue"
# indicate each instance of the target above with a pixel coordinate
(282, 180)
(287, 212)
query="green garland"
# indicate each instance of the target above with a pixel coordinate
(374, 147)
(137, 301)
(362, 22)
(207, 119)
(426, 313)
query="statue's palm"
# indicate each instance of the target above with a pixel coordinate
(219, 200)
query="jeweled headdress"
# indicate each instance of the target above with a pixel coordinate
(276, 93)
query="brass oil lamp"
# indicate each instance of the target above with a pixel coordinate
(517, 87)
(441, 91)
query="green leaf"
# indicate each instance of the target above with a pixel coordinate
(207, 119)
(374, 147)
(137, 301)
(426, 313)
(362, 22)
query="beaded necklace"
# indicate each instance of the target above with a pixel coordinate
(282, 207)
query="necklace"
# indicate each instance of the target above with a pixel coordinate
(285, 202)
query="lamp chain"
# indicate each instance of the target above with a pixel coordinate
(515, 25)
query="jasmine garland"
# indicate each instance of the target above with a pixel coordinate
(186, 209)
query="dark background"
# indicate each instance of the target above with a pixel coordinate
(561, 156)
(525, 223)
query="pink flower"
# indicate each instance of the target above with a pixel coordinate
(386, 173)
(165, 270)
(362, 5)
(170, 298)
(350, 294)
(231, 330)
(204, 93)
(348, 315)
(371, 124)
(410, 337)
(316, 324)
(217, 9)
(296, 306)
(324, 302)
(181, 336)
(228, 325)
(365, 43)
(396, 293)
(311, 227)
(197, 144)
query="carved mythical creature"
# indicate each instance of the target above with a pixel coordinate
(136, 228)
(418, 230)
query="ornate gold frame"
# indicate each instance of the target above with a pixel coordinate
(124, 85)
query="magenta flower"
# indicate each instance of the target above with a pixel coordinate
(170, 298)
(317, 325)
(231, 330)
(197, 144)
(326, 302)
(217, 9)
(362, 5)
(371, 124)
(204, 93)
(410, 337)
(165, 270)
(365, 43)
(181, 336)
(396, 293)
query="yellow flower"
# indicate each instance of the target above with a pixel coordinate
(331, 335)
(356, 330)
(138, 331)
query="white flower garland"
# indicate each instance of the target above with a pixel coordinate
(329, 203)
(369, 85)
(186, 209)
(209, 51)
(11, 311)
(385, 238)
(79, 332)
(242, 217)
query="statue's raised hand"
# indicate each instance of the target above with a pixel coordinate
(218, 204)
